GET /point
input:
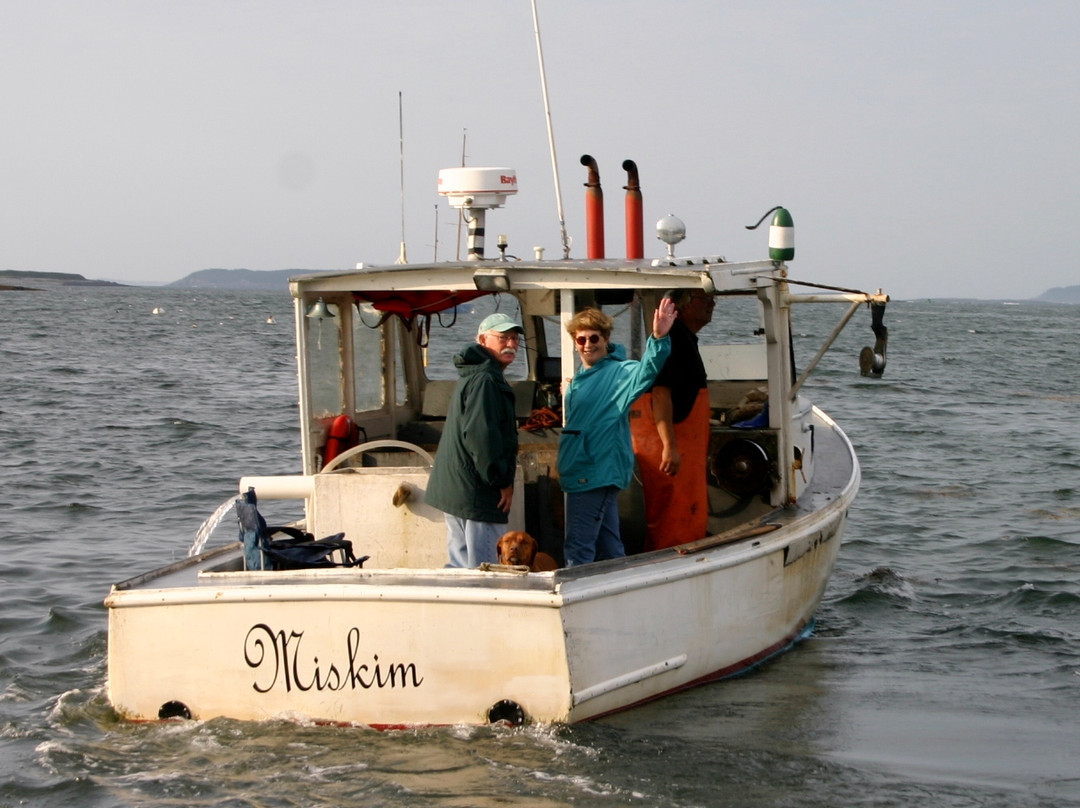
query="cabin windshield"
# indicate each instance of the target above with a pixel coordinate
(454, 329)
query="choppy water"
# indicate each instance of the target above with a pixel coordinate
(945, 670)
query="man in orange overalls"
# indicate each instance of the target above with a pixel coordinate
(671, 432)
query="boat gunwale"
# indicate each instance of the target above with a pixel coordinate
(614, 577)
(494, 587)
(176, 566)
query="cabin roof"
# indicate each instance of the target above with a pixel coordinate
(709, 273)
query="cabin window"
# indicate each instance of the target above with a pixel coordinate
(404, 339)
(369, 351)
(733, 322)
(324, 365)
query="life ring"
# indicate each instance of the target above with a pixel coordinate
(343, 435)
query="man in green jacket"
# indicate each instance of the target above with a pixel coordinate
(472, 481)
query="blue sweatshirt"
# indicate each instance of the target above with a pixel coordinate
(595, 449)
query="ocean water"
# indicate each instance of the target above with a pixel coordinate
(945, 669)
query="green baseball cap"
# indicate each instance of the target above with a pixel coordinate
(498, 322)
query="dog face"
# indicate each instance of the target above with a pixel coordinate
(517, 548)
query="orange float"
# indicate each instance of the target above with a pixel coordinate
(343, 435)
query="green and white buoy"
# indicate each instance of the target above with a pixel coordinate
(781, 236)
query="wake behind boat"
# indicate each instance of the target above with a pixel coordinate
(260, 628)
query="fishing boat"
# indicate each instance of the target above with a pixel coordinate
(403, 640)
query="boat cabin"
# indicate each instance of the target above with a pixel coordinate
(376, 374)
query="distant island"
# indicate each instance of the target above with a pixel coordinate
(241, 279)
(45, 279)
(1061, 294)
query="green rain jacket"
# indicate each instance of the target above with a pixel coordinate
(477, 454)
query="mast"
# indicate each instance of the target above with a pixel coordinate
(401, 165)
(551, 134)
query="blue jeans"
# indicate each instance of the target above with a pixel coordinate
(469, 544)
(592, 526)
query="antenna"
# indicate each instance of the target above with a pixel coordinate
(435, 256)
(551, 133)
(401, 160)
(461, 213)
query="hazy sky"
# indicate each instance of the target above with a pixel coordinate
(929, 148)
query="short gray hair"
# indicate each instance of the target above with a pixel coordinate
(680, 297)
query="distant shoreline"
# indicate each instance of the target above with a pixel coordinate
(278, 280)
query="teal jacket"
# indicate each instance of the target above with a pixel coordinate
(477, 454)
(595, 449)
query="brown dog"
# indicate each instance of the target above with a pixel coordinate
(518, 548)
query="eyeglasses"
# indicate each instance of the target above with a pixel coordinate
(512, 336)
(592, 339)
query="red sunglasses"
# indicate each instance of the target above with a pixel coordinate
(592, 339)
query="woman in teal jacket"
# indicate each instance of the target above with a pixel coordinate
(596, 458)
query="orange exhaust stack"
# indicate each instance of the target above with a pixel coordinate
(594, 209)
(635, 215)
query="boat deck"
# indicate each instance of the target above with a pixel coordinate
(223, 566)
